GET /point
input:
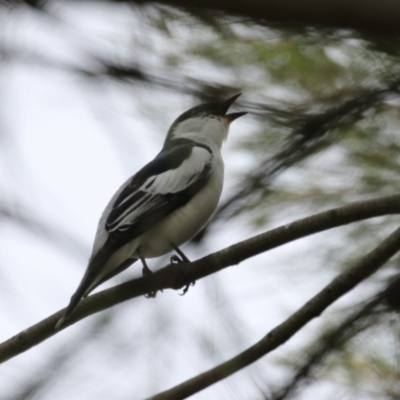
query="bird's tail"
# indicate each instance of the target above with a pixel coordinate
(87, 283)
(75, 299)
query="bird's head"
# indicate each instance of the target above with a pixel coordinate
(207, 123)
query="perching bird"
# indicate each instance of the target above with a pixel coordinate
(166, 202)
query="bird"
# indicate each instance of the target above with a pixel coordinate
(165, 203)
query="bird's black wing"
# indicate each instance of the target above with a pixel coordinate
(162, 186)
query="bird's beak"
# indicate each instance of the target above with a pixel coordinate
(224, 106)
(231, 117)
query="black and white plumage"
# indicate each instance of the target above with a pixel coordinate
(166, 202)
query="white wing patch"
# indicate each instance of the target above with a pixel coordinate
(179, 179)
(126, 217)
(156, 186)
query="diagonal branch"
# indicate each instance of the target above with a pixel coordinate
(358, 321)
(342, 284)
(176, 276)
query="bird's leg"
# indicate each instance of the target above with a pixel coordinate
(146, 271)
(175, 260)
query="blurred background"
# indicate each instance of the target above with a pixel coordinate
(88, 91)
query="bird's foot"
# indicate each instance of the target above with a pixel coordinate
(186, 288)
(182, 257)
(146, 271)
(178, 260)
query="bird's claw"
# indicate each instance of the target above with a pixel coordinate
(186, 288)
(178, 260)
(146, 271)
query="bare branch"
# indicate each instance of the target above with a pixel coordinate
(176, 276)
(45, 376)
(342, 284)
(359, 320)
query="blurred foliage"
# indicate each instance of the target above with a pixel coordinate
(324, 114)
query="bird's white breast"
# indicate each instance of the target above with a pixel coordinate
(186, 221)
